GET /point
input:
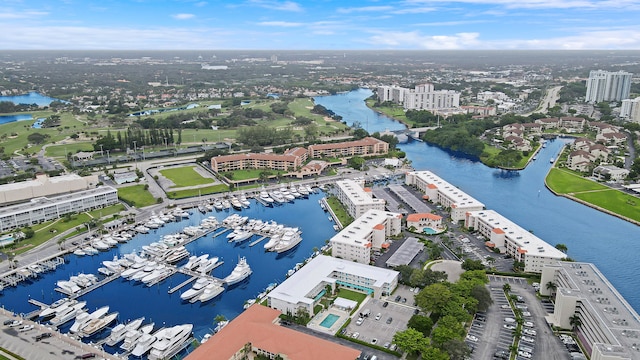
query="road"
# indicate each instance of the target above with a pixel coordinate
(551, 96)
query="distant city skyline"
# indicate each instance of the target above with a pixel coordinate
(319, 25)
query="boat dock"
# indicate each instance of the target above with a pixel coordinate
(181, 285)
(89, 289)
(257, 241)
(19, 275)
(220, 232)
(261, 201)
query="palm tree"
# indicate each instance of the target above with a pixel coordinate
(506, 287)
(552, 287)
(562, 247)
(575, 321)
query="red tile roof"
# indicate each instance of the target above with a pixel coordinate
(498, 231)
(420, 216)
(258, 326)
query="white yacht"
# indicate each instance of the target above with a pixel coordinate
(244, 201)
(242, 236)
(56, 307)
(90, 250)
(210, 291)
(131, 336)
(84, 317)
(265, 197)
(272, 242)
(207, 265)
(288, 241)
(239, 273)
(68, 286)
(196, 289)
(67, 314)
(95, 325)
(169, 341)
(144, 343)
(195, 261)
(119, 332)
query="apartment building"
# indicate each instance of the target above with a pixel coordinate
(43, 209)
(608, 86)
(304, 289)
(290, 160)
(364, 147)
(368, 232)
(356, 199)
(630, 109)
(609, 328)
(441, 192)
(422, 97)
(511, 239)
(43, 185)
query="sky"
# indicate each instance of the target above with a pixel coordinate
(320, 24)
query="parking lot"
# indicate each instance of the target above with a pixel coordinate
(383, 320)
(491, 333)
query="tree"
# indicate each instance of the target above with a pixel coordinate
(551, 286)
(470, 264)
(480, 293)
(37, 138)
(434, 298)
(562, 247)
(411, 340)
(433, 353)
(448, 328)
(575, 321)
(457, 349)
(422, 323)
(356, 162)
(506, 287)
(360, 133)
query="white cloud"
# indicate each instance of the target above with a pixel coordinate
(414, 10)
(415, 40)
(182, 16)
(452, 23)
(280, 23)
(364, 9)
(277, 5)
(10, 14)
(201, 4)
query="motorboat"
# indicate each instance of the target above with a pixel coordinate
(141, 229)
(100, 245)
(176, 255)
(196, 289)
(242, 236)
(195, 261)
(68, 286)
(95, 325)
(239, 273)
(275, 239)
(220, 325)
(146, 270)
(288, 241)
(277, 196)
(120, 331)
(84, 317)
(244, 201)
(210, 291)
(56, 307)
(133, 269)
(144, 343)
(79, 252)
(264, 196)
(226, 204)
(169, 341)
(104, 271)
(156, 274)
(236, 203)
(131, 336)
(217, 204)
(67, 314)
(90, 250)
(208, 265)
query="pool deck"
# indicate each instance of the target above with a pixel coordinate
(314, 324)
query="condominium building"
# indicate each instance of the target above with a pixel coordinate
(304, 289)
(422, 97)
(364, 147)
(289, 161)
(608, 86)
(630, 109)
(357, 199)
(607, 327)
(43, 209)
(257, 331)
(441, 192)
(511, 239)
(44, 185)
(369, 231)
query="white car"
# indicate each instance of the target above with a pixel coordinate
(528, 339)
(505, 306)
(526, 313)
(528, 324)
(510, 327)
(378, 316)
(472, 338)
(355, 335)
(524, 354)
(529, 332)
(359, 321)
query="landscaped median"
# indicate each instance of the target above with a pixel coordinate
(568, 184)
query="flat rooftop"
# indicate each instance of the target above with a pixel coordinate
(296, 288)
(38, 202)
(357, 232)
(405, 253)
(457, 196)
(607, 305)
(356, 193)
(523, 238)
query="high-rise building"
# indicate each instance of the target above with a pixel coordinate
(422, 97)
(631, 109)
(608, 86)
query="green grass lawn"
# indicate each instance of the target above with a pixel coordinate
(351, 295)
(339, 210)
(61, 151)
(181, 194)
(114, 209)
(564, 182)
(396, 112)
(615, 201)
(247, 174)
(185, 176)
(136, 196)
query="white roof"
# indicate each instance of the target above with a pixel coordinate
(458, 197)
(358, 231)
(521, 237)
(39, 182)
(356, 193)
(298, 286)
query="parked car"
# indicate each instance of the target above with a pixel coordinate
(385, 304)
(389, 320)
(359, 321)
(43, 336)
(472, 338)
(378, 316)
(355, 335)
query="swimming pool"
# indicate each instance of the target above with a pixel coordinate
(429, 231)
(329, 320)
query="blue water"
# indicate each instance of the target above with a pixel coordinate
(30, 98)
(11, 118)
(590, 235)
(429, 231)
(329, 320)
(353, 109)
(133, 300)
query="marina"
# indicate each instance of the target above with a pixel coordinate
(162, 297)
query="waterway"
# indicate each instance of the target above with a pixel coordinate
(133, 300)
(590, 235)
(30, 98)
(11, 118)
